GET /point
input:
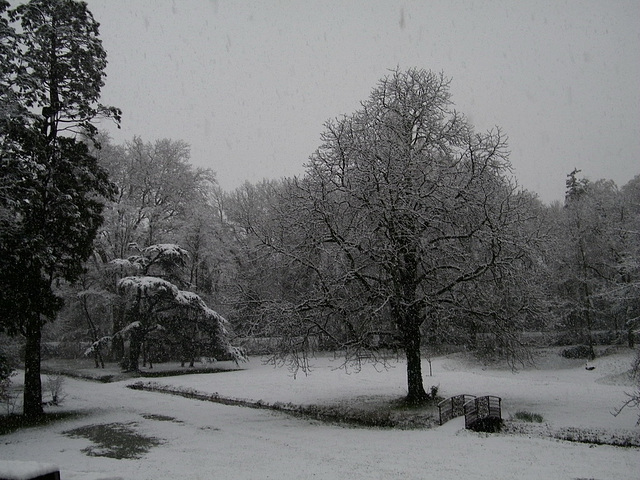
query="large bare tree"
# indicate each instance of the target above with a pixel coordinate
(405, 214)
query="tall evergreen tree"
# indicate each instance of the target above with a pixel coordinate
(52, 185)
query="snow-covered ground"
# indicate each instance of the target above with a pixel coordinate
(202, 440)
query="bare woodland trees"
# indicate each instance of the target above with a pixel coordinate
(158, 187)
(627, 292)
(405, 214)
(161, 198)
(406, 224)
(596, 259)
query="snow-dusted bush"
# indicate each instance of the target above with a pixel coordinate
(8, 398)
(530, 417)
(55, 387)
(633, 400)
(579, 351)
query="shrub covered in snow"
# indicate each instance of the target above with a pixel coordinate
(7, 396)
(579, 351)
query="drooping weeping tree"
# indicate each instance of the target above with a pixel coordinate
(154, 303)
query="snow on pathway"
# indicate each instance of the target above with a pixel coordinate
(207, 440)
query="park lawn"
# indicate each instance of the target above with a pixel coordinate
(187, 438)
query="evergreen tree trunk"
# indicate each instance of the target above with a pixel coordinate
(32, 406)
(97, 358)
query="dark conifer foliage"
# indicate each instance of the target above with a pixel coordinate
(52, 187)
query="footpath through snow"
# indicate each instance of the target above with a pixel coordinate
(202, 440)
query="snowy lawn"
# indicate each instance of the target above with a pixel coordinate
(193, 439)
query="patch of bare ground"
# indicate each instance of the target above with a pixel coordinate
(114, 440)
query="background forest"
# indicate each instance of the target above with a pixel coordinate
(584, 280)
(408, 232)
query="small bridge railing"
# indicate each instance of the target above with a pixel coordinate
(483, 412)
(453, 407)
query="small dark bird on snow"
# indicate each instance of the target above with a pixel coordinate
(589, 367)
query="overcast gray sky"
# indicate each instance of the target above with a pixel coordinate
(249, 84)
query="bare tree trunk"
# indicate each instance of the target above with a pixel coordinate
(135, 345)
(117, 344)
(148, 353)
(588, 304)
(416, 393)
(97, 353)
(32, 406)
(409, 317)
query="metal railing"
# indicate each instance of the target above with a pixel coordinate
(480, 412)
(453, 407)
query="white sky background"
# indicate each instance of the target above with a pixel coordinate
(249, 84)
